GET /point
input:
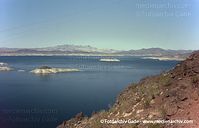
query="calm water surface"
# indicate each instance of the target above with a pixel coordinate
(34, 101)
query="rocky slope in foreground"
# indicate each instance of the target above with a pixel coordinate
(168, 96)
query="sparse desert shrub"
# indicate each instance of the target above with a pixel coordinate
(163, 112)
(133, 85)
(138, 99)
(141, 89)
(97, 124)
(195, 79)
(152, 91)
(165, 80)
(147, 103)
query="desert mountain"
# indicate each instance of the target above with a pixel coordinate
(89, 50)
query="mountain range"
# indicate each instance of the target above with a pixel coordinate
(89, 50)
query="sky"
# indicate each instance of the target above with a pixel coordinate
(116, 24)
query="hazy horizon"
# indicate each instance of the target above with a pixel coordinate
(96, 47)
(112, 24)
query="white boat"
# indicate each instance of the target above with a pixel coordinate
(109, 60)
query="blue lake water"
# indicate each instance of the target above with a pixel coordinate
(34, 101)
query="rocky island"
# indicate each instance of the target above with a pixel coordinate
(5, 67)
(48, 70)
(173, 95)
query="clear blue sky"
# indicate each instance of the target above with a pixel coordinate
(118, 24)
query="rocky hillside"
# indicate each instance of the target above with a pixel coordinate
(172, 95)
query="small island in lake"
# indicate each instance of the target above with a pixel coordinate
(4, 67)
(109, 60)
(48, 70)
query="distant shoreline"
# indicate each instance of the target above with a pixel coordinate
(80, 50)
(161, 58)
(62, 55)
(165, 58)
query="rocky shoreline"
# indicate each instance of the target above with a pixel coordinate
(173, 95)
